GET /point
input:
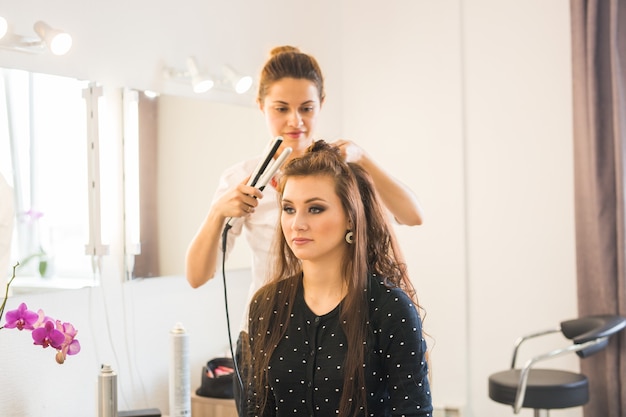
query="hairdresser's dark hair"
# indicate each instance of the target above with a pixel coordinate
(288, 62)
(374, 251)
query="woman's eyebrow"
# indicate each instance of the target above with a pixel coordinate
(308, 200)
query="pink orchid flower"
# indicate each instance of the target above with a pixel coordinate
(70, 345)
(21, 318)
(41, 319)
(33, 215)
(45, 331)
(48, 335)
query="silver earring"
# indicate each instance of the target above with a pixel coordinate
(350, 237)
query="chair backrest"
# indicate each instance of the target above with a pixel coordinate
(590, 328)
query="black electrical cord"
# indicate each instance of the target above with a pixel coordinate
(253, 182)
(230, 338)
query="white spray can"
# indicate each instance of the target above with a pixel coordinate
(107, 392)
(180, 377)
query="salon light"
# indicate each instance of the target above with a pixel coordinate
(241, 83)
(4, 27)
(58, 41)
(150, 94)
(132, 220)
(200, 83)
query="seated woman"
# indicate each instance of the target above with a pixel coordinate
(336, 331)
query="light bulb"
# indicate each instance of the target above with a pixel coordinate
(202, 85)
(199, 83)
(240, 83)
(243, 84)
(4, 27)
(61, 43)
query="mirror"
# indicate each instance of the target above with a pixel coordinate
(43, 158)
(184, 145)
(180, 163)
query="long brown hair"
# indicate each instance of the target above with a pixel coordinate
(373, 251)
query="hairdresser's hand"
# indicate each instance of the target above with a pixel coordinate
(350, 151)
(201, 258)
(238, 202)
(397, 197)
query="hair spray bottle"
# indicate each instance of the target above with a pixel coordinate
(180, 383)
(107, 392)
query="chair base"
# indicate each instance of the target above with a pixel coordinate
(547, 389)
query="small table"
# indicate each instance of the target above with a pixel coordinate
(212, 407)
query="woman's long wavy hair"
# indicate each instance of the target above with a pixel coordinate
(374, 251)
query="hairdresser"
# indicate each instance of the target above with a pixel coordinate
(291, 95)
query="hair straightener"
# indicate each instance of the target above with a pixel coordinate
(262, 174)
(265, 170)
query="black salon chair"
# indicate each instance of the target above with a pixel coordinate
(547, 389)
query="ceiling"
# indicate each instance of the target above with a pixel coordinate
(128, 43)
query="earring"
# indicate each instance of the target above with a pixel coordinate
(350, 237)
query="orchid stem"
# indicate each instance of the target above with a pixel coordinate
(6, 293)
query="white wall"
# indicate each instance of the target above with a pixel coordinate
(405, 95)
(521, 269)
(468, 102)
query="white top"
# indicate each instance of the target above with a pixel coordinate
(259, 228)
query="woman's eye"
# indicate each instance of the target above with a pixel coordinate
(316, 210)
(308, 109)
(288, 209)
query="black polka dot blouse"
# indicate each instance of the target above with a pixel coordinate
(305, 370)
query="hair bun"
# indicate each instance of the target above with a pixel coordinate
(321, 145)
(284, 49)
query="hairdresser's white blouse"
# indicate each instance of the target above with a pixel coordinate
(258, 228)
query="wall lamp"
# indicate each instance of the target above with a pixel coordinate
(57, 41)
(201, 82)
(241, 83)
(4, 27)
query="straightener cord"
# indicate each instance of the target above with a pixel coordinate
(230, 338)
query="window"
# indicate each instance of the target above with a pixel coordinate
(43, 156)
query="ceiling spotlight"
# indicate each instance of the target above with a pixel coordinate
(241, 83)
(4, 27)
(150, 94)
(58, 41)
(200, 83)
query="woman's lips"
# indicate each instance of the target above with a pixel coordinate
(300, 240)
(295, 134)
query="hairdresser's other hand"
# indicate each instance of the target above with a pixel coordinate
(350, 151)
(239, 201)
(397, 197)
